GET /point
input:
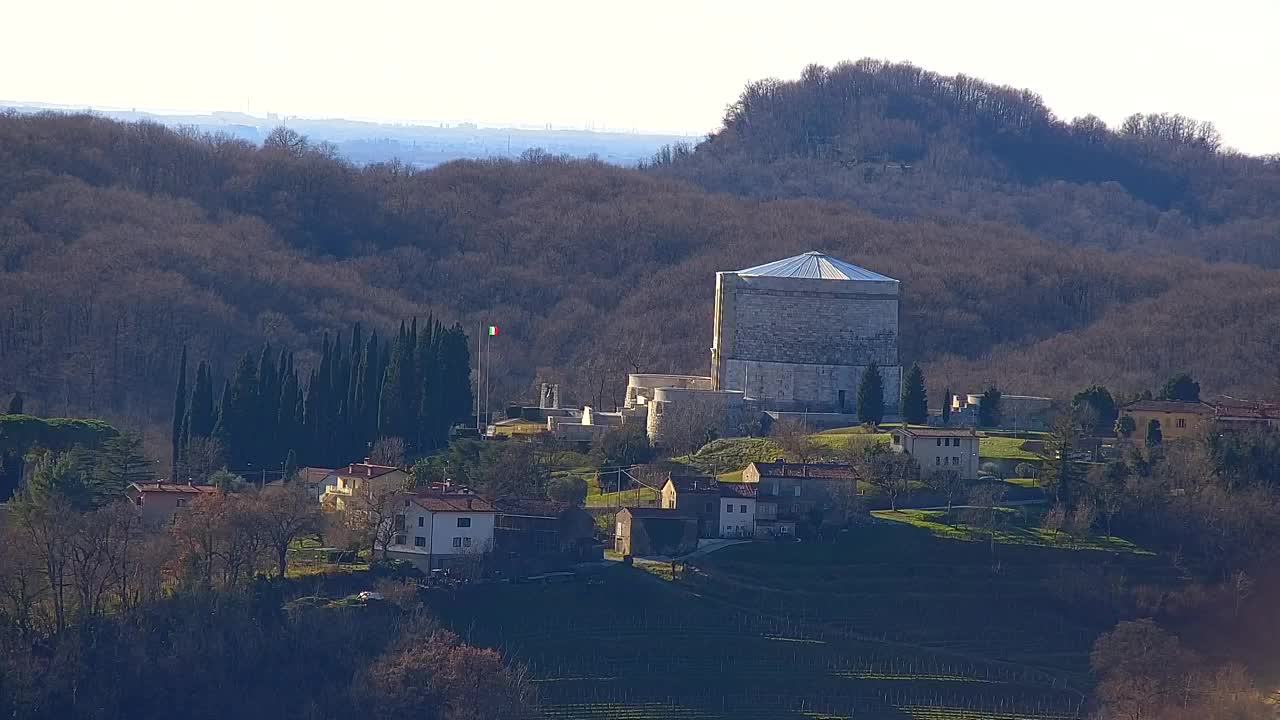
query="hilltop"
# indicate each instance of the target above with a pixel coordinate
(123, 241)
(900, 141)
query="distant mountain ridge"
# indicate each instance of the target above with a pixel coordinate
(421, 145)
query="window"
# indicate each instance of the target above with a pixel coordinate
(840, 395)
(182, 502)
(955, 460)
(784, 530)
(399, 522)
(728, 507)
(796, 491)
(619, 532)
(466, 542)
(776, 487)
(795, 508)
(421, 520)
(138, 501)
(419, 541)
(457, 542)
(742, 508)
(464, 522)
(937, 460)
(1182, 422)
(397, 540)
(939, 442)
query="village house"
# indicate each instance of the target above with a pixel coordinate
(940, 449)
(1233, 414)
(788, 493)
(544, 527)
(317, 480)
(438, 531)
(737, 509)
(159, 502)
(655, 531)
(695, 495)
(1176, 420)
(348, 480)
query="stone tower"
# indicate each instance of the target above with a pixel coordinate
(796, 334)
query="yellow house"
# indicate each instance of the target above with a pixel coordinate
(350, 478)
(1177, 420)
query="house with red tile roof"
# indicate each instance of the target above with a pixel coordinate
(436, 530)
(160, 502)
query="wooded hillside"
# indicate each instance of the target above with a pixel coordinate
(901, 141)
(120, 243)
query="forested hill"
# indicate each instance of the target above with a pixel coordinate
(120, 243)
(901, 141)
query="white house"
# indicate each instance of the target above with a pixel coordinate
(435, 531)
(938, 449)
(737, 509)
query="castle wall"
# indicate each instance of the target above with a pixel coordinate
(799, 387)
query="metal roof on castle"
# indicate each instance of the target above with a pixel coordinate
(814, 265)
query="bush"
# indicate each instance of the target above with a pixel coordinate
(568, 489)
(990, 468)
(1024, 470)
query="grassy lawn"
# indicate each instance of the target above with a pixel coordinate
(729, 454)
(1023, 482)
(1004, 448)
(1014, 529)
(626, 498)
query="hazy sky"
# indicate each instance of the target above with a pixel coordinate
(653, 64)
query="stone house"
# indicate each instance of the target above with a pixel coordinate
(788, 494)
(1176, 420)
(159, 502)
(530, 527)
(698, 496)
(940, 449)
(655, 531)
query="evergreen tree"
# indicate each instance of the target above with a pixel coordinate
(871, 396)
(265, 450)
(288, 419)
(290, 466)
(1155, 437)
(1182, 388)
(391, 408)
(201, 413)
(15, 404)
(179, 415)
(310, 449)
(369, 390)
(946, 406)
(119, 462)
(989, 411)
(240, 414)
(915, 403)
(1095, 409)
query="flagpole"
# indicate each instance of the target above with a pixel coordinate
(488, 368)
(479, 375)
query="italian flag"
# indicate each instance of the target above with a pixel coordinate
(493, 330)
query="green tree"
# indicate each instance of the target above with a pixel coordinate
(1125, 427)
(1094, 409)
(1058, 474)
(201, 413)
(1155, 438)
(240, 413)
(915, 402)
(946, 406)
(1181, 387)
(622, 446)
(568, 489)
(989, 408)
(62, 477)
(179, 415)
(871, 396)
(290, 472)
(121, 461)
(15, 404)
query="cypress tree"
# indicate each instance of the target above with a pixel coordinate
(915, 402)
(290, 466)
(946, 406)
(179, 414)
(267, 411)
(455, 369)
(311, 451)
(15, 404)
(220, 423)
(367, 394)
(288, 423)
(391, 397)
(871, 395)
(240, 415)
(201, 414)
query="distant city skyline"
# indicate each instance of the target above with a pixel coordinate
(665, 67)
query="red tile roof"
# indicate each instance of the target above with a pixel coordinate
(453, 503)
(1170, 406)
(816, 471)
(694, 484)
(737, 489)
(365, 470)
(164, 487)
(928, 432)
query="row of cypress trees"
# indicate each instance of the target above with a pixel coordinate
(414, 387)
(913, 404)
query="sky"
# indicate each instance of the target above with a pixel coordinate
(657, 65)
